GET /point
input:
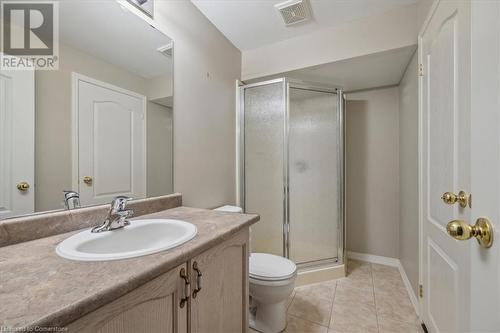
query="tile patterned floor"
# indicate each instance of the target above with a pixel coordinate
(372, 298)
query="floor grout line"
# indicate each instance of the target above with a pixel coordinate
(374, 298)
(333, 301)
(291, 301)
(309, 321)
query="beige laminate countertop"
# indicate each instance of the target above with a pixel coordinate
(39, 288)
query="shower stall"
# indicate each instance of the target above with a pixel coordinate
(291, 169)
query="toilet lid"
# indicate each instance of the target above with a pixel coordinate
(266, 266)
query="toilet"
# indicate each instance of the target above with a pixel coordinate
(271, 280)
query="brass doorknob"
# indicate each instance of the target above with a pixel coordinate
(451, 198)
(87, 180)
(23, 186)
(482, 230)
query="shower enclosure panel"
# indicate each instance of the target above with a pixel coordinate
(292, 164)
(313, 198)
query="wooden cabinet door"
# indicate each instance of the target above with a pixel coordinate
(153, 307)
(221, 306)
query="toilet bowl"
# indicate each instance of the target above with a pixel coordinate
(271, 281)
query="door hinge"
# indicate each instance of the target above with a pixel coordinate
(420, 70)
(420, 291)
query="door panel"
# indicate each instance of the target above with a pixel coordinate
(443, 284)
(111, 141)
(441, 114)
(445, 165)
(221, 306)
(17, 145)
(113, 179)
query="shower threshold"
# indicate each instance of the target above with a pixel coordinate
(320, 271)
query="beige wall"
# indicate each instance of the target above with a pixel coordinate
(53, 119)
(160, 86)
(408, 172)
(391, 30)
(206, 66)
(160, 150)
(372, 171)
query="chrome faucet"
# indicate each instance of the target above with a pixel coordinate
(117, 216)
(71, 200)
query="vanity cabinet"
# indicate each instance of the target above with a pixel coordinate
(216, 282)
(153, 307)
(221, 305)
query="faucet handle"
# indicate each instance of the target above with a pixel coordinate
(68, 194)
(124, 215)
(119, 203)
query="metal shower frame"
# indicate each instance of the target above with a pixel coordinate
(288, 83)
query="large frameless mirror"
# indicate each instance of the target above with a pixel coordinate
(99, 126)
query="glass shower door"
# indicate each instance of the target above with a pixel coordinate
(313, 172)
(264, 118)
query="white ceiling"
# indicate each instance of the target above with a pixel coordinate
(370, 71)
(249, 24)
(108, 31)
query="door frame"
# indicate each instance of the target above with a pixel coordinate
(75, 159)
(432, 10)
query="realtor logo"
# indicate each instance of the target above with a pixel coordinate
(29, 35)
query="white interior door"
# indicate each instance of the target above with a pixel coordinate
(460, 150)
(485, 162)
(17, 142)
(111, 141)
(445, 165)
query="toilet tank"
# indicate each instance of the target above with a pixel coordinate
(229, 209)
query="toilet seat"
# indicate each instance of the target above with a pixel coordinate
(265, 267)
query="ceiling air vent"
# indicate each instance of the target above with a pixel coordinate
(294, 11)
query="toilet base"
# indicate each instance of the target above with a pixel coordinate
(268, 318)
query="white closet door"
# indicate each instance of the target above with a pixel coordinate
(17, 143)
(111, 141)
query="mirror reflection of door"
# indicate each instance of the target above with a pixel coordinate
(122, 140)
(17, 146)
(111, 141)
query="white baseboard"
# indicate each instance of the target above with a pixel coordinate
(409, 289)
(388, 261)
(371, 258)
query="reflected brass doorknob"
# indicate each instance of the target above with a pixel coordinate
(87, 180)
(451, 198)
(482, 230)
(23, 186)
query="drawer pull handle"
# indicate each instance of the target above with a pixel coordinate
(198, 279)
(187, 288)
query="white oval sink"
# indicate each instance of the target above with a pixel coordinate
(140, 238)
